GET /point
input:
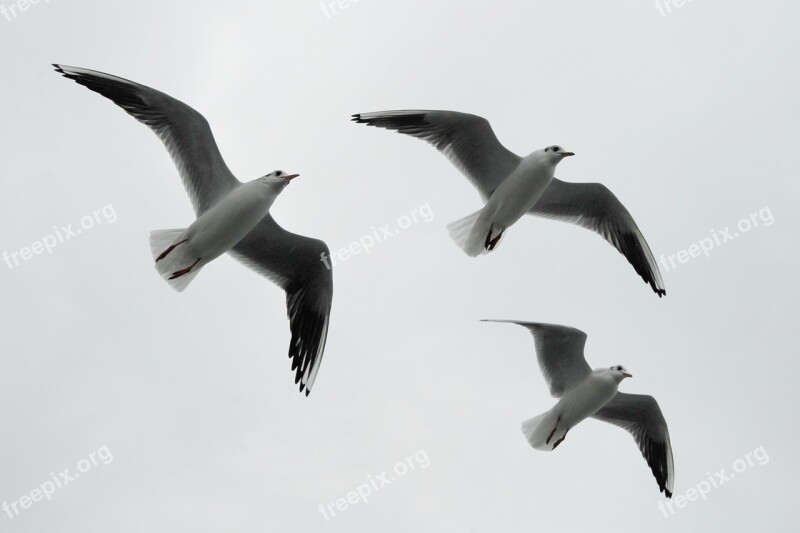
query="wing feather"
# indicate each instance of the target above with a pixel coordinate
(559, 351)
(468, 141)
(184, 132)
(594, 207)
(294, 263)
(641, 416)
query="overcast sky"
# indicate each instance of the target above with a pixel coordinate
(181, 408)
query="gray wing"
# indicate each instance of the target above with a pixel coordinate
(468, 141)
(641, 416)
(185, 132)
(594, 207)
(295, 264)
(559, 350)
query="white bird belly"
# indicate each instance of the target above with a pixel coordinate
(219, 229)
(585, 399)
(516, 195)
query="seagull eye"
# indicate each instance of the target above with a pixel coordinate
(556, 148)
(278, 173)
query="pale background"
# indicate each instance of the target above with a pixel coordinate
(690, 118)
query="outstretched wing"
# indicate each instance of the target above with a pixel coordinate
(295, 263)
(594, 207)
(559, 350)
(185, 132)
(641, 416)
(468, 141)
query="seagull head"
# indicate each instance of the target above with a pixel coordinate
(278, 179)
(555, 154)
(620, 372)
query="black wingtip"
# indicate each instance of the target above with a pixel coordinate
(667, 493)
(661, 292)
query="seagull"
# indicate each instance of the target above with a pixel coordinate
(232, 217)
(512, 186)
(583, 393)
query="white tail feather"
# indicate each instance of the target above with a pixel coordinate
(161, 239)
(538, 429)
(469, 233)
(178, 258)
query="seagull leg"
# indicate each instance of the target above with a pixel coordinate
(180, 273)
(559, 441)
(553, 432)
(491, 243)
(166, 252)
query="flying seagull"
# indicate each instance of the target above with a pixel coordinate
(231, 217)
(512, 186)
(583, 392)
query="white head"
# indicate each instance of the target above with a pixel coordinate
(277, 180)
(620, 372)
(555, 154)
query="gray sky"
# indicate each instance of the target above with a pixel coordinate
(689, 117)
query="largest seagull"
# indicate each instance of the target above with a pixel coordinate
(512, 186)
(231, 217)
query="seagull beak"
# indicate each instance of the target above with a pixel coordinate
(627, 375)
(567, 154)
(290, 178)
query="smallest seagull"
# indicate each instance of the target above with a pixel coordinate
(584, 393)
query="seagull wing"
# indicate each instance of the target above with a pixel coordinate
(559, 350)
(641, 416)
(295, 264)
(594, 207)
(185, 132)
(468, 141)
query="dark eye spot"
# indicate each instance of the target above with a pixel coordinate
(278, 173)
(556, 148)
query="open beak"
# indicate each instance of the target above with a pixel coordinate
(627, 375)
(567, 154)
(291, 177)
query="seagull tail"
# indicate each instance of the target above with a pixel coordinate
(174, 259)
(539, 431)
(470, 234)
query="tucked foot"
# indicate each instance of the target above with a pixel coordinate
(550, 436)
(184, 271)
(559, 441)
(491, 243)
(166, 252)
